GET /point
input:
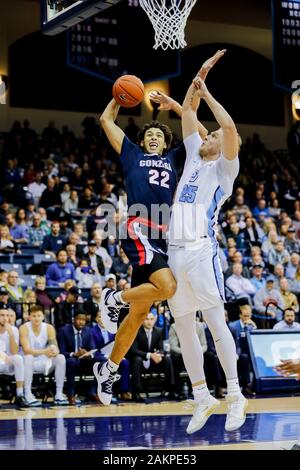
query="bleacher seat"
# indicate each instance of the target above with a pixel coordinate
(54, 291)
(29, 249)
(23, 259)
(5, 258)
(39, 258)
(13, 267)
(28, 281)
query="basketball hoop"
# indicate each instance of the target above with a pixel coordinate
(168, 18)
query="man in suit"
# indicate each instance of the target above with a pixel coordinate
(148, 356)
(76, 344)
(103, 338)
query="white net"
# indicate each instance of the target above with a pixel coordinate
(168, 18)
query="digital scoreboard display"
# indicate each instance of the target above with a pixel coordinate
(286, 42)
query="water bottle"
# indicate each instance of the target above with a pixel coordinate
(185, 391)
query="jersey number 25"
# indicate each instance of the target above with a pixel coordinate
(188, 193)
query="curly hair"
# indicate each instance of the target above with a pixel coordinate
(165, 129)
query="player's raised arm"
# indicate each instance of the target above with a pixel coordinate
(113, 132)
(230, 138)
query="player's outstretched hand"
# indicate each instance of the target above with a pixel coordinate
(209, 63)
(164, 101)
(200, 86)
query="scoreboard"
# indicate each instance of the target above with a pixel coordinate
(286, 43)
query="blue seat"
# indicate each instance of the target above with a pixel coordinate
(29, 249)
(5, 258)
(39, 258)
(13, 267)
(23, 259)
(28, 281)
(54, 291)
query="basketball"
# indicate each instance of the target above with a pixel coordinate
(128, 91)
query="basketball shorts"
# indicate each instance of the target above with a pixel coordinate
(200, 283)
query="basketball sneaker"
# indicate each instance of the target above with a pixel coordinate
(236, 415)
(105, 379)
(32, 401)
(60, 400)
(202, 411)
(110, 310)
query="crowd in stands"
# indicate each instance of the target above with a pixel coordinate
(55, 261)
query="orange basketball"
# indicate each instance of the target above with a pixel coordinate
(128, 91)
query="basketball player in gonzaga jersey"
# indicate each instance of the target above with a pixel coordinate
(150, 179)
(207, 181)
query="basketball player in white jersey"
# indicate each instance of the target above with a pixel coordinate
(210, 170)
(41, 355)
(11, 362)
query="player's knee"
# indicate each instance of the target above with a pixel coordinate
(168, 290)
(28, 359)
(60, 358)
(17, 360)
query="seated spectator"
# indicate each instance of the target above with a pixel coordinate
(5, 302)
(120, 265)
(79, 230)
(7, 243)
(13, 287)
(92, 305)
(29, 299)
(43, 298)
(41, 355)
(65, 311)
(3, 278)
(278, 254)
(113, 248)
(70, 206)
(50, 200)
(94, 260)
(37, 231)
(87, 200)
(292, 266)
(274, 208)
(110, 281)
(267, 299)
(53, 242)
(77, 345)
(240, 208)
(239, 285)
(288, 323)
(147, 354)
(80, 245)
(290, 242)
(11, 362)
(37, 187)
(257, 279)
(104, 343)
(65, 230)
(261, 211)
(97, 236)
(293, 285)
(237, 258)
(253, 234)
(85, 275)
(290, 300)
(59, 271)
(63, 295)
(18, 231)
(72, 256)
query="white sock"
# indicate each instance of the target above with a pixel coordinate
(59, 391)
(19, 391)
(200, 392)
(233, 387)
(112, 367)
(118, 297)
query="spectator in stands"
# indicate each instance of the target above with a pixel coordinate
(245, 322)
(239, 285)
(290, 299)
(37, 187)
(77, 345)
(81, 248)
(43, 298)
(274, 208)
(292, 266)
(13, 288)
(278, 254)
(59, 271)
(29, 299)
(38, 231)
(94, 260)
(19, 233)
(253, 234)
(65, 194)
(5, 302)
(53, 242)
(79, 230)
(85, 275)
(110, 281)
(237, 257)
(92, 305)
(269, 295)
(290, 243)
(113, 248)
(270, 242)
(101, 251)
(51, 136)
(288, 323)
(3, 277)
(41, 355)
(147, 354)
(65, 311)
(120, 265)
(7, 243)
(50, 200)
(10, 361)
(240, 208)
(257, 279)
(261, 211)
(104, 342)
(70, 206)
(64, 293)
(176, 354)
(87, 200)
(72, 256)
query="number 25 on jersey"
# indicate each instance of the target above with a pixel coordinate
(188, 193)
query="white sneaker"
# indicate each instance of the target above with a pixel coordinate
(236, 415)
(60, 399)
(32, 401)
(202, 411)
(110, 310)
(105, 379)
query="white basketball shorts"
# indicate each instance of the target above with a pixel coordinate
(197, 270)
